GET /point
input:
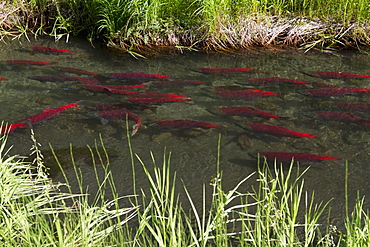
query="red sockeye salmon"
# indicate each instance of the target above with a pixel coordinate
(353, 106)
(155, 94)
(76, 71)
(185, 124)
(122, 114)
(288, 156)
(176, 83)
(47, 113)
(48, 49)
(339, 75)
(137, 75)
(155, 101)
(26, 62)
(225, 70)
(247, 112)
(277, 130)
(11, 127)
(244, 94)
(337, 91)
(341, 116)
(273, 80)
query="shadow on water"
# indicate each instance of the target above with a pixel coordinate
(194, 151)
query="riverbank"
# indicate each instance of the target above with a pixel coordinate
(139, 26)
(35, 211)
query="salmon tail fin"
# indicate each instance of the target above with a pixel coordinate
(104, 121)
(76, 104)
(135, 129)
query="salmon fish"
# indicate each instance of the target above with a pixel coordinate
(76, 71)
(339, 75)
(11, 127)
(55, 78)
(288, 156)
(244, 94)
(185, 124)
(47, 113)
(353, 106)
(137, 75)
(277, 130)
(155, 94)
(48, 49)
(26, 62)
(337, 91)
(225, 70)
(176, 83)
(341, 116)
(89, 81)
(113, 89)
(272, 80)
(155, 101)
(247, 112)
(122, 114)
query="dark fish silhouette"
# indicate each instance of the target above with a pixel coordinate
(26, 62)
(55, 78)
(225, 70)
(47, 113)
(288, 156)
(341, 116)
(353, 106)
(121, 114)
(119, 106)
(113, 89)
(185, 124)
(247, 112)
(176, 83)
(273, 80)
(228, 88)
(89, 81)
(337, 91)
(277, 130)
(244, 94)
(11, 127)
(338, 75)
(76, 71)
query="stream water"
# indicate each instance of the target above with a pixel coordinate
(193, 151)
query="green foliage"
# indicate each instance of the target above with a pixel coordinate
(277, 212)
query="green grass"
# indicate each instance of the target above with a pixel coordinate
(141, 24)
(277, 212)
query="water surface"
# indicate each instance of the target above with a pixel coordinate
(194, 152)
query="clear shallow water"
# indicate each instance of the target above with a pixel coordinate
(194, 153)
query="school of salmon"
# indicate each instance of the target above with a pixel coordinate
(142, 90)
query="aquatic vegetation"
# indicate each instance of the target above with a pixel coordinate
(35, 212)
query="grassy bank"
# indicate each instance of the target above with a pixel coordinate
(195, 24)
(278, 212)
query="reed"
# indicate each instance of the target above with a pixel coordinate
(277, 212)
